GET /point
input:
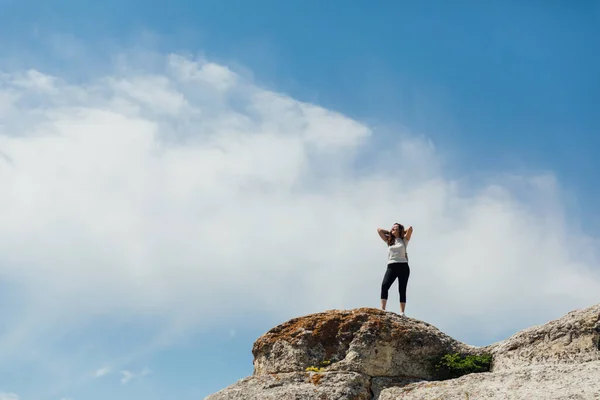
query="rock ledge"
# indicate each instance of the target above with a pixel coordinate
(372, 354)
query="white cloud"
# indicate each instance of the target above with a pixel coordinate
(189, 196)
(128, 376)
(215, 76)
(8, 396)
(102, 372)
(35, 81)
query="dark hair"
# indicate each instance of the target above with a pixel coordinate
(392, 238)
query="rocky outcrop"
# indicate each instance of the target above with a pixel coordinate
(543, 382)
(371, 354)
(572, 339)
(299, 386)
(366, 340)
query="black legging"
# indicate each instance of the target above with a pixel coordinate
(396, 270)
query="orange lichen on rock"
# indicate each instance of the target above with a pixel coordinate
(331, 329)
(315, 378)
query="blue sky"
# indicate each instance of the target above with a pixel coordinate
(514, 83)
(477, 123)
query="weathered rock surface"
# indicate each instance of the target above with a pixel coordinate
(379, 355)
(299, 386)
(554, 382)
(574, 338)
(365, 340)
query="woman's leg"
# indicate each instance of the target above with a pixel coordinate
(403, 275)
(388, 279)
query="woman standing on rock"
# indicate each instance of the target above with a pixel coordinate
(397, 240)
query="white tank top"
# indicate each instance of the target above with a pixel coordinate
(397, 251)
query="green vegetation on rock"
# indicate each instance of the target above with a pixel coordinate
(452, 366)
(323, 365)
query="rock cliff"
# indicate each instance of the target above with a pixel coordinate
(371, 354)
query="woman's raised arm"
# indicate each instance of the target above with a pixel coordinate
(408, 233)
(383, 234)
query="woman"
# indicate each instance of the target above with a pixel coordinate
(397, 240)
